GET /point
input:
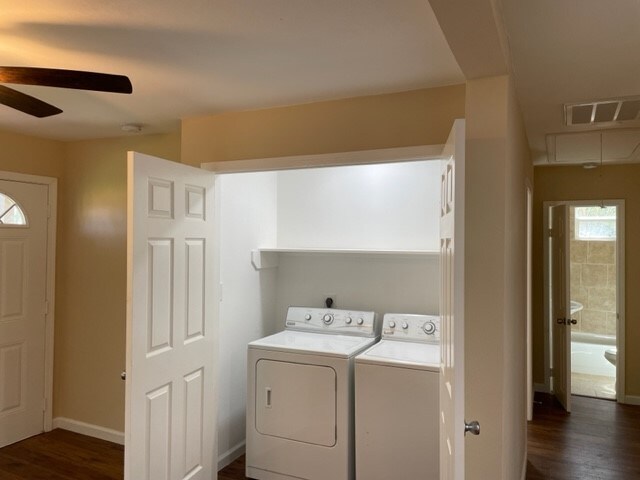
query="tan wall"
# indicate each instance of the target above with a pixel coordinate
(91, 277)
(575, 183)
(420, 117)
(497, 166)
(31, 155)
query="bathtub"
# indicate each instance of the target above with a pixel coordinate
(587, 354)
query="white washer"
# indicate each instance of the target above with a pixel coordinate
(397, 398)
(300, 395)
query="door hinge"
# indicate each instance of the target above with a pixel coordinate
(550, 232)
(46, 307)
(44, 404)
(48, 210)
(551, 372)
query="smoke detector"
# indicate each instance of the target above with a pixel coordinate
(621, 111)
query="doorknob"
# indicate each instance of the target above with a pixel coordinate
(472, 427)
(561, 321)
(123, 375)
(572, 321)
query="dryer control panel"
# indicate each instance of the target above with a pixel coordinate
(330, 320)
(412, 328)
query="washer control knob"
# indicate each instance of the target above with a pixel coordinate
(429, 328)
(307, 317)
(327, 319)
(405, 325)
(348, 320)
(360, 321)
(392, 324)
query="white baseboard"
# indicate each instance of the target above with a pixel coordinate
(540, 387)
(88, 429)
(523, 475)
(631, 400)
(230, 455)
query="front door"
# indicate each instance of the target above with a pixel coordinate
(170, 427)
(23, 262)
(452, 307)
(561, 317)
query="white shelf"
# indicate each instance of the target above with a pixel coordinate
(268, 257)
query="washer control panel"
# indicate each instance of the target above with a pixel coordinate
(330, 320)
(412, 328)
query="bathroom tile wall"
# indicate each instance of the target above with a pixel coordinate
(593, 282)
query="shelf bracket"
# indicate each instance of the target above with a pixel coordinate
(261, 260)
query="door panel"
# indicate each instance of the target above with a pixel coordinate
(561, 329)
(296, 401)
(171, 347)
(452, 307)
(23, 255)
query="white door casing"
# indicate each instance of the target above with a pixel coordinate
(452, 307)
(561, 310)
(23, 295)
(170, 426)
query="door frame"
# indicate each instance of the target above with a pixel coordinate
(620, 288)
(52, 195)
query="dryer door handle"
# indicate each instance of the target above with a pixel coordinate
(267, 397)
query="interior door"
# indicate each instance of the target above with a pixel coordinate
(170, 427)
(452, 426)
(23, 260)
(560, 304)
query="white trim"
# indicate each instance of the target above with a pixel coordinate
(89, 429)
(632, 400)
(540, 387)
(620, 287)
(52, 199)
(231, 455)
(359, 157)
(529, 240)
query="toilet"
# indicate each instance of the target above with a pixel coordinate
(610, 354)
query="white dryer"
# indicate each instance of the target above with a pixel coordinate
(397, 401)
(300, 395)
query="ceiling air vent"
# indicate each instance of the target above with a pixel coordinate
(602, 113)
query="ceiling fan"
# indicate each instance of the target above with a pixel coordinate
(53, 77)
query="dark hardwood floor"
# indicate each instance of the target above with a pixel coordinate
(599, 440)
(62, 455)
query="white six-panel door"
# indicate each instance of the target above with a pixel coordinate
(23, 263)
(452, 307)
(170, 430)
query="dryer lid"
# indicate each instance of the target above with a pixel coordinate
(314, 343)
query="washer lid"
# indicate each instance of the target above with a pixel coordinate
(314, 343)
(393, 353)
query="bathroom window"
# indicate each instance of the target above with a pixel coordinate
(595, 223)
(10, 212)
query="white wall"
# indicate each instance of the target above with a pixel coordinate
(247, 203)
(382, 283)
(386, 206)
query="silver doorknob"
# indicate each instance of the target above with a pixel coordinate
(572, 321)
(123, 375)
(472, 427)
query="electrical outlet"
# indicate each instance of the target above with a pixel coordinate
(333, 296)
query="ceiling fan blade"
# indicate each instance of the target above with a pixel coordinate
(53, 77)
(26, 103)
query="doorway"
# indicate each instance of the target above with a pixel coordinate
(594, 362)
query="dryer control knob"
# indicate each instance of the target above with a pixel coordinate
(392, 324)
(307, 317)
(327, 319)
(405, 325)
(429, 328)
(360, 321)
(348, 320)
